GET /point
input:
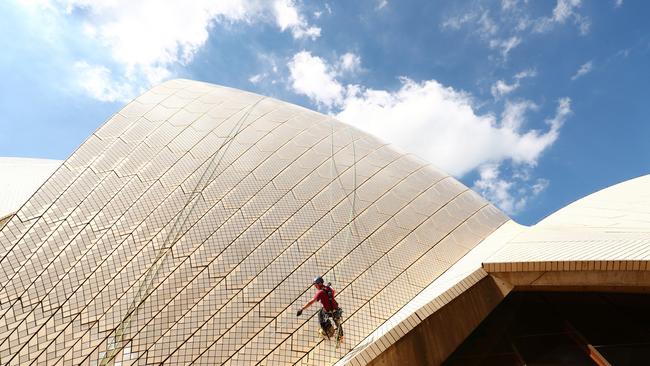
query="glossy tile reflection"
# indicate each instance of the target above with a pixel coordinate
(188, 227)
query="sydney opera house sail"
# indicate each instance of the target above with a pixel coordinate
(188, 229)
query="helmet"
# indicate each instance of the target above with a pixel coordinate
(318, 279)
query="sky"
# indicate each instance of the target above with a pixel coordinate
(533, 104)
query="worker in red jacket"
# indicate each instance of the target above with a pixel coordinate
(330, 310)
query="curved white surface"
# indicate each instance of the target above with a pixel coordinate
(188, 227)
(611, 226)
(20, 178)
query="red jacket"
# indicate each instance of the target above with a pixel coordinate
(326, 297)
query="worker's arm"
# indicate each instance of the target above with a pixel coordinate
(308, 304)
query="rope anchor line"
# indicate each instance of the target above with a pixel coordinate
(144, 289)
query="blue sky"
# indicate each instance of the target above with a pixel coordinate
(532, 103)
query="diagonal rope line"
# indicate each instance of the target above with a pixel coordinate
(351, 222)
(173, 235)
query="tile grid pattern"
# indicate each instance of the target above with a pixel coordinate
(606, 231)
(188, 227)
(395, 329)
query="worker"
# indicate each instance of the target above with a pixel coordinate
(330, 309)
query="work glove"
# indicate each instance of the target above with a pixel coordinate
(299, 313)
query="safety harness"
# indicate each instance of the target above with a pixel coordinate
(330, 297)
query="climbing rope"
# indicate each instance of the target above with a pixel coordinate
(174, 235)
(337, 176)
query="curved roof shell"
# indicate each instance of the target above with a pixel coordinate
(601, 241)
(188, 227)
(20, 178)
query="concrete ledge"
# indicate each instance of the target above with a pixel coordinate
(437, 336)
(605, 281)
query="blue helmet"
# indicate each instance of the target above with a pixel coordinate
(318, 279)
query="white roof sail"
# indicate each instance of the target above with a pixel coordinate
(20, 178)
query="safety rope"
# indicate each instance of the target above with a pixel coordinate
(351, 221)
(173, 236)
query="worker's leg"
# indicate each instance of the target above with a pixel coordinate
(324, 323)
(338, 319)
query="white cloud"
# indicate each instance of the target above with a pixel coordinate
(563, 11)
(540, 186)
(584, 69)
(510, 195)
(350, 62)
(147, 39)
(500, 88)
(528, 73)
(287, 16)
(256, 78)
(429, 119)
(97, 81)
(311, 76)
(441, 125)
(514, 114)
(508, 4)
(148, 34)
(505, 45)
(381, 4)
(487, 25)
(492, 32)
(561, 113)
(314, 77)
(497, 190)
(455, 23)
(624, 53)
(618, 3)
(505, 27)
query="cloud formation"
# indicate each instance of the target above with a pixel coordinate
(97, 81)
(505, 45)
(146, 39)
(428, 118)
(500, 88)
(349, 62)
(506, 27)
(584, 69)
(313, 77)
(287, 16)
(511, 194)
(441, 125)
(564, 10)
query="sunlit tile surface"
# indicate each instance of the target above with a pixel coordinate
(608, 230)
(187, 229)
